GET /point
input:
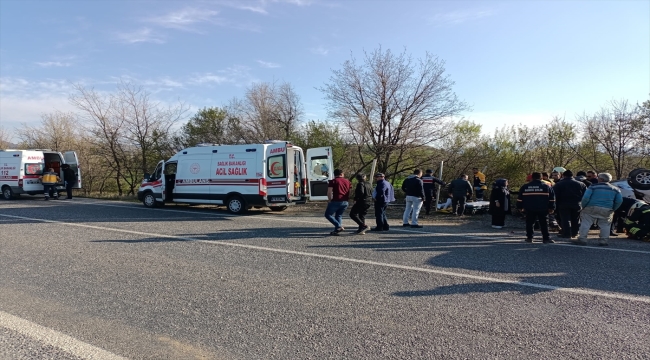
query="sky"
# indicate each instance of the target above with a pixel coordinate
(512, 61)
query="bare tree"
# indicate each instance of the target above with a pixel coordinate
(146, 122)
(615, 130)
(106, 130)
(268, 111)
(391, 105)
(57, 131)
(5, 136)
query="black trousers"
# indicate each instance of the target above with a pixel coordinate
(458, 204)
(358, 213)
(531, 217)
(68, 189)
(428, 199)
(380, 216)
(570, 219)
(498, 217)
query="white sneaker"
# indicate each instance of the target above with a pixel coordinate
(497, 227)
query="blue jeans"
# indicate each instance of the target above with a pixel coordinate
(334, 213)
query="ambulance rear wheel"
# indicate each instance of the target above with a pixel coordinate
(236, 204)
(7, 193)
(278, 208)
(149, 200)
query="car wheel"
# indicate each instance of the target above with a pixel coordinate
(236, 205)
(278, 208)
(7, 193)
(639, 179)
(149, 200)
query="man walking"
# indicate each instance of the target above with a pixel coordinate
(568, 197)
(413, 187)
(459, 190)
(383, 194)
(338, 194)
(599, 203)
(429, 182)
(537, 200)
(362, 200)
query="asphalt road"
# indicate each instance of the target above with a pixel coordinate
(108, 280)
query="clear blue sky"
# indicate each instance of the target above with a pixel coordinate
(513, 61)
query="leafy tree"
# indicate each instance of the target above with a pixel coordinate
(210, 125)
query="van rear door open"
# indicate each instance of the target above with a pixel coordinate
(319, 170)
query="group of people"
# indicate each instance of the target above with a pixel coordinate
(578, 203)
(50, 179)
(418, 189)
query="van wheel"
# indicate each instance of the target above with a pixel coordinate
(278, 208)
(236, 205)
(639, 179)
(149, 200)
(7, 193)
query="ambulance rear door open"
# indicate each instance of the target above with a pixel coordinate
(277, 176)
(71, 158)
(319, 171)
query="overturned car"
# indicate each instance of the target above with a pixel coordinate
(636, 186)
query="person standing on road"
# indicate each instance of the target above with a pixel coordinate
(429, 182)
(69, 178)
(599, 203)
(537, 200)
(49, 180)
(413, 187)
(568, 197)
(338, 194)
(499, 203)
(362, 200)
(459, 190)
(383, 194)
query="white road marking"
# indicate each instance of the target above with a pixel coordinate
(619, 296)
(57, 339)
(397, 229)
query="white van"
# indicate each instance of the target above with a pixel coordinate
(275, 174)
(20, 170)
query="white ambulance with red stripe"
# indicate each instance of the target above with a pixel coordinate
(20, 170)
(275, 174)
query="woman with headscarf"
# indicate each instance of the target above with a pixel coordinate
(499, 203)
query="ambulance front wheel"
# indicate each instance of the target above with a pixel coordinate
(236, 204)
(7, 193)
(149, 200)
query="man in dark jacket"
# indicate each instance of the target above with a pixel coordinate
(362, 201)
(537, 200)
(568, 195)
(69, 178)
(459, 190)
(429, 182)
(414, 190)
(383, 194)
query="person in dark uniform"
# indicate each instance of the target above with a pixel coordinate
(362, 202)
(568, 195)
(637, 222)
(383, 194)
(499, 203)
(69, 178)
(429, 188)
(460, 190)
(537, 200)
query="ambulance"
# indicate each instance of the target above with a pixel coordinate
(275, 174)
(20, 170)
